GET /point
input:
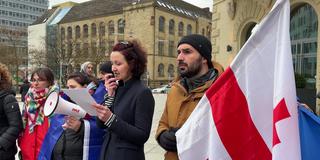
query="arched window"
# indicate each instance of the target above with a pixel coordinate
(171, 71)
(121, 25)
(161, 70)
(69, 35)
(63, 33)
(171, 26)
(181, 29)
(85, 31)
(102, 29)
(93, 30)
(161, 24)
(78, 34)
(110, 27)
(304, 42)
(189, 29)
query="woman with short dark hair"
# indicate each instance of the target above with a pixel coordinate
(71, 138)
(128, 110)
(34, 122)
(10, 117)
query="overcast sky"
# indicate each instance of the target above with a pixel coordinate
(199, 3)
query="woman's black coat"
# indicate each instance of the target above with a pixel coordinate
(125, 138)
(10, 124)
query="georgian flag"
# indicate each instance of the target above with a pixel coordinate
(250, 112)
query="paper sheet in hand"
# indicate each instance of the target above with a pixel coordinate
(83, 99)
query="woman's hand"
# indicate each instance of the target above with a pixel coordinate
(110, 84)
(72, 123)
(103, 112)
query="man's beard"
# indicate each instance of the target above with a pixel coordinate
(191, 70)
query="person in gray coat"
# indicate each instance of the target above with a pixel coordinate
(129, 105)
(10, 116)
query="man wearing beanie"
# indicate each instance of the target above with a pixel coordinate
(196, 74)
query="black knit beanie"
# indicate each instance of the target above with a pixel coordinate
(201, 44)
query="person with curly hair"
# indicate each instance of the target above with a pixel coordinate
(10, 116)
(128, 109)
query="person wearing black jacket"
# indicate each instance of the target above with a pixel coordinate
(128, 111)
(24, 89)
(10, 116)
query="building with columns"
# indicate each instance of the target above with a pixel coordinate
(234, 20)
(91, 28)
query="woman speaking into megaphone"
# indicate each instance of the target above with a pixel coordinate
(69, 137)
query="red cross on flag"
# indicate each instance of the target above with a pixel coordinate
(250, 112)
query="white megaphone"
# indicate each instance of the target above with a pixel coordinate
(56, 104)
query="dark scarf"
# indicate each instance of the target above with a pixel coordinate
(192, 83)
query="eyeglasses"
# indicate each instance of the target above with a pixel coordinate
(37, 80)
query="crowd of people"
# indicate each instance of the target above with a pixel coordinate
(124, 106)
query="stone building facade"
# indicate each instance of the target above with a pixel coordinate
(95, 26)
(233, 21)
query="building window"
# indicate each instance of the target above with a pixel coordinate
(111, 28)
(93, 30)
(181, 28)
(77, 48)
(203, 32)
(121, 25)
(93, 48)
(63, 33)
(171, 27)
(161, 70)
(102, 46)
(208, 32)
(69, 35)
(171, 48)
(102, 29)
(170, 71)
(78, 34)
(85, 50)
(304, 41)
(110, 46)
(85, 31)
(189, 29)
(161, 24)
(161, 48)
(69, 50)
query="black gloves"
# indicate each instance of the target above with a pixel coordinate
(167, 140)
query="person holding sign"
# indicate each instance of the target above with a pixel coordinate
(69, 137)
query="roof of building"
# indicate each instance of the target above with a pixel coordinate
(185, 8)
(44, 17)
(100, 8)
(94, 8)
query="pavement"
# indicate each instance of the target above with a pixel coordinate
(151, 148)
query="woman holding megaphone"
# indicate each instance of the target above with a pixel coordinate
(128, 111)
(71, 138)
(34, 122)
